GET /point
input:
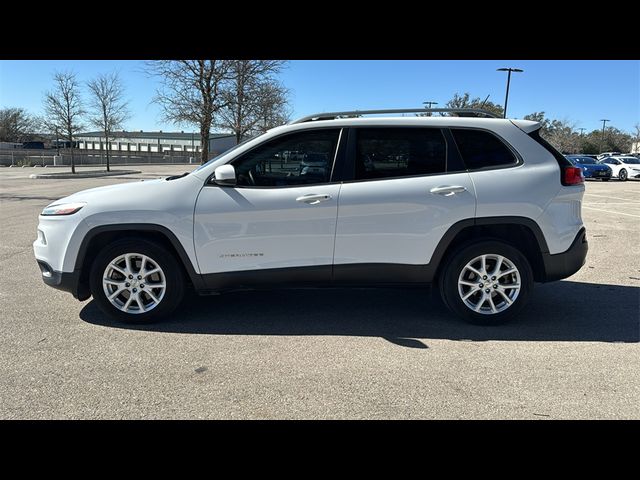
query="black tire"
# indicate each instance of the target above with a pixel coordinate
(623, 175)
(174, 279)
(448, 281)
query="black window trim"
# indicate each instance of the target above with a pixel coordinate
(349, 170)
(518, 162)
(338, 158)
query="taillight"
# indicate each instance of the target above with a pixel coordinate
(572, 176)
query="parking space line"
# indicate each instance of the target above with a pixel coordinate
(611, 203)
(608, 211)
(606, 196)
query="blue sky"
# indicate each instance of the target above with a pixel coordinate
(580, 91)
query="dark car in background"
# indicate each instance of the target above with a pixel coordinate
(590, 167)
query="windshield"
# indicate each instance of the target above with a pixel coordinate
(225, 152)
(630, 160)
(583, 160)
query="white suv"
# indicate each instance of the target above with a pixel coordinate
(483, 207)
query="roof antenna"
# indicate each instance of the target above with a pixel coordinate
(485, 101)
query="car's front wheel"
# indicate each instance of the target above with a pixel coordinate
(487, 282)
(136, 281)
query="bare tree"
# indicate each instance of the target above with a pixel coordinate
(17, 125)
(109, 108)
(64, 109)
(272, 107)
(191, 93)
(562, 135)
(242, 94)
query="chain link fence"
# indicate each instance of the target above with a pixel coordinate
(53, 158)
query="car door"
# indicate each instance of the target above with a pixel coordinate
(613, 164)
(404, 187)
(279, 216)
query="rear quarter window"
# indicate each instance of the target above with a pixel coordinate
(481, 149)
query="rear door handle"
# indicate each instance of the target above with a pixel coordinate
(448, 190)
(313, 199)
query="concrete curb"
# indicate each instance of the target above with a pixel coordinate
(93, 174)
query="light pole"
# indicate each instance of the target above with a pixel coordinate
(506, 98)
(428, 105)
(604, 122)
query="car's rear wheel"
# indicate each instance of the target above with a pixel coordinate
(622, 175)
(136, 281)
(487, 282)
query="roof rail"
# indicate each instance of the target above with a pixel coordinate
(334, 115)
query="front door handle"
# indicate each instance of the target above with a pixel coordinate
(448, 190)
(313, 199)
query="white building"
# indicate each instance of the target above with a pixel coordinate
(140, 141)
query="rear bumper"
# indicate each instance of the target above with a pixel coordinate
(65, 281)
(565, 264)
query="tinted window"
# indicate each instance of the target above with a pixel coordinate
(296, 159)
(588, 161)
(583, 160)
(631, 161)
(399, 152)
(480, 149)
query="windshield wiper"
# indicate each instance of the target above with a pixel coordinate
(173, 177)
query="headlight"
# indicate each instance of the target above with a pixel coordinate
(62, 209)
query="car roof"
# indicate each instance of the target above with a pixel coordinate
(526, 125)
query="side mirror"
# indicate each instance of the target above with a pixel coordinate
(225, 175)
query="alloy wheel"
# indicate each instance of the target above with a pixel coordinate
(134, 283)
(489, 284)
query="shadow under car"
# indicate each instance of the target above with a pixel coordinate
(558, 311)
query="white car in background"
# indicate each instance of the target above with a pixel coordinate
(623, 166)
(604, 155)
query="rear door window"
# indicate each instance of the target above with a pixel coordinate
(399, 152)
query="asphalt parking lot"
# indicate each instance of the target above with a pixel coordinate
(386, 353)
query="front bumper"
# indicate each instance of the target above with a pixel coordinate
(565, 264)
(598, 174)
(65, 281)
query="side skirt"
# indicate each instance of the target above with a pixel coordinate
(370, 274)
